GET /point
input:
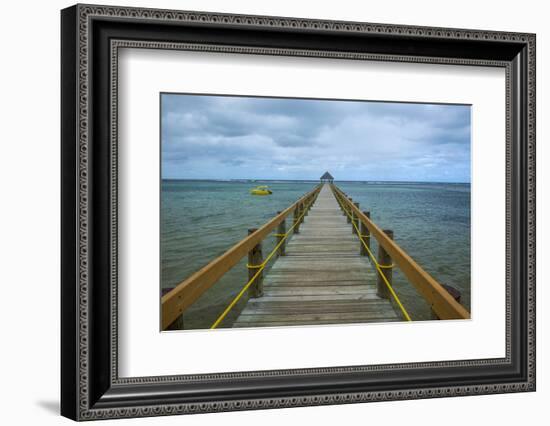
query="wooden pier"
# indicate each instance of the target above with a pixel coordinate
(322, 271)
(321, 279)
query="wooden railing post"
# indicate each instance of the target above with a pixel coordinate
(348, 216)
(177, 324)
(385, 263)
(281, 231)
(296, 219)
(341, 203)
(453, 292)
(355, 219)
(365, 236)
(308, 204)
(255, 259)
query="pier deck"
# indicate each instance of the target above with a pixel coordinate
(322, 279)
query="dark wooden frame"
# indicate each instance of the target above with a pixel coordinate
(90, 386)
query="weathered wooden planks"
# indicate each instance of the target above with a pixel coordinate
(322, 279)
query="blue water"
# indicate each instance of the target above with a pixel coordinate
(202, 219)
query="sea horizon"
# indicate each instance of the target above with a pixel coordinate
(241, 180)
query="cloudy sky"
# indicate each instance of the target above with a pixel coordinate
(222, 137)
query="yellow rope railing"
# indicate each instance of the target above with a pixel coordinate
(374, 261)
(261, 266)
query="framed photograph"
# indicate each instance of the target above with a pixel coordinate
(263, 212)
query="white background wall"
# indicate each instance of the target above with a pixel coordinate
(29, 211)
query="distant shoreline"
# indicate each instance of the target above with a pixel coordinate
(371, 182)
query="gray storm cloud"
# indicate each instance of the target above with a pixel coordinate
(224, 137)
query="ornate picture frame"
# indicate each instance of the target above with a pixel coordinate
(90, 39)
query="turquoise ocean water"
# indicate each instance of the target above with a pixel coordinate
(200, 220)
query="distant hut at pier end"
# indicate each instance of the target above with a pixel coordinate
(327, 177)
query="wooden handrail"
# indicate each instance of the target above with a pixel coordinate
(177, 300)
(441, 301)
